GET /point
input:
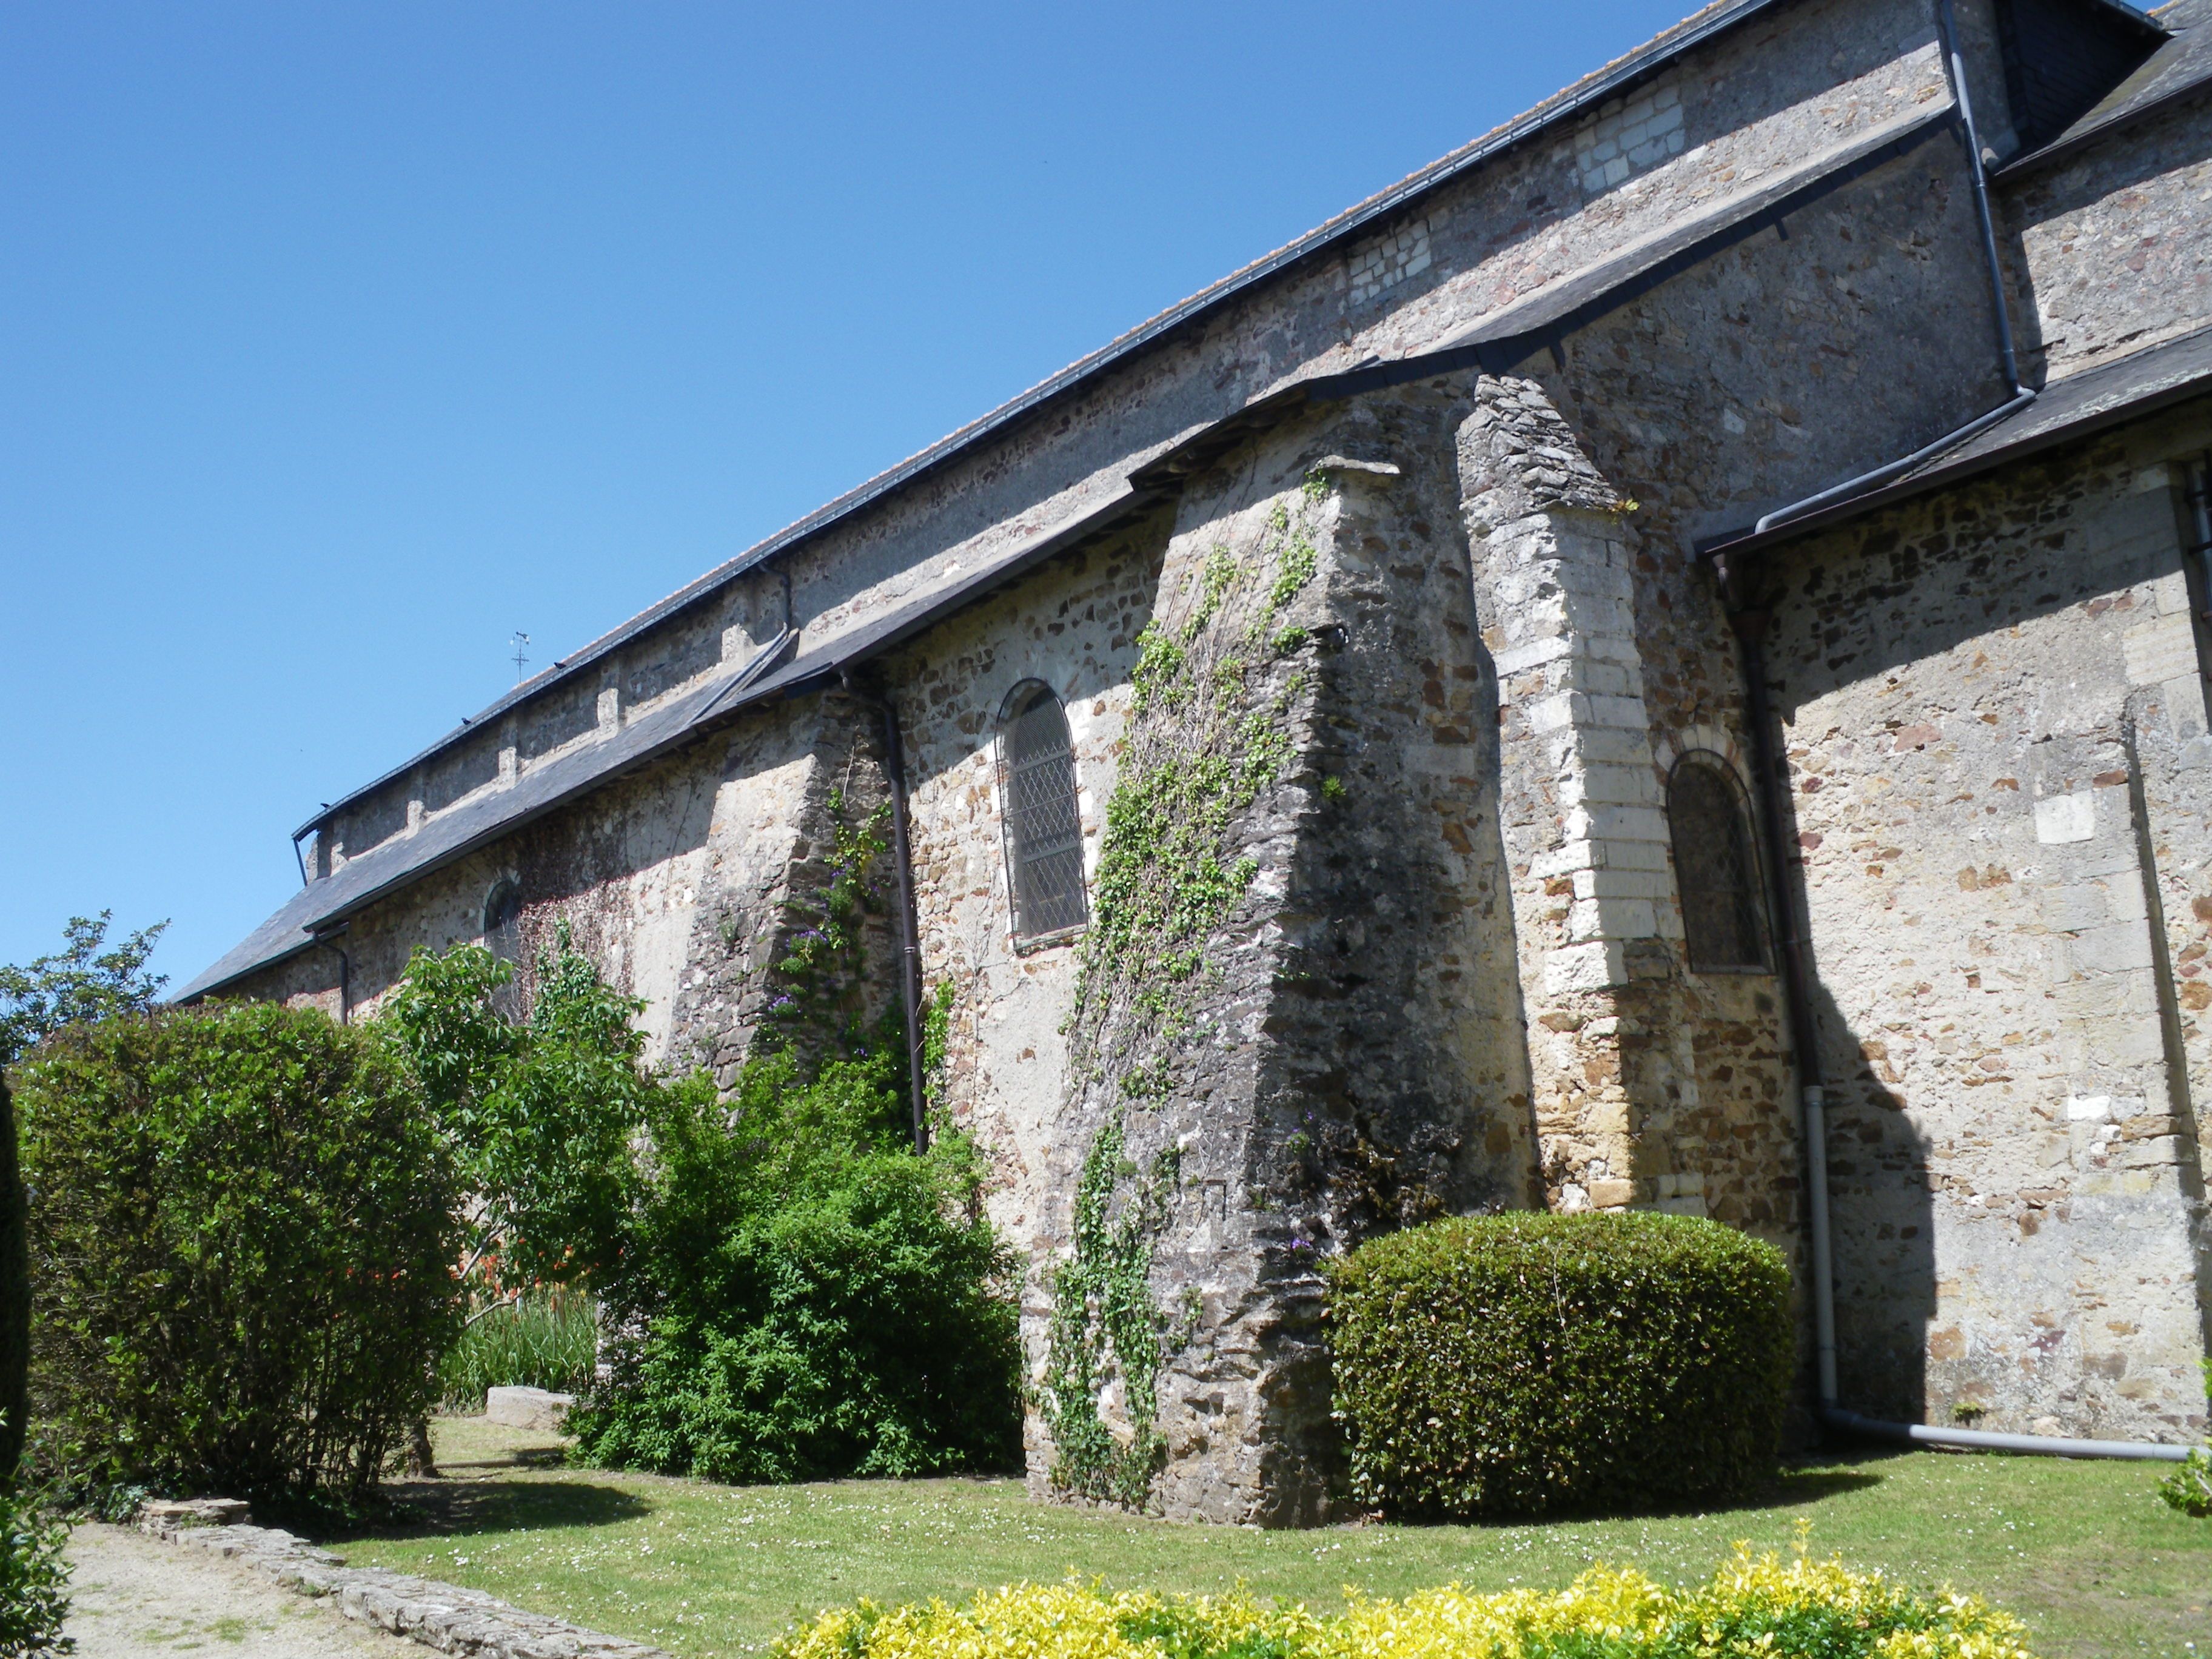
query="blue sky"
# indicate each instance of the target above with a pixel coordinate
(342, 341)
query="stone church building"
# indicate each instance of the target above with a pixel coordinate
(1658, 663)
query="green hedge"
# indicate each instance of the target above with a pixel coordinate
(1521, 1363)
(242, 1242)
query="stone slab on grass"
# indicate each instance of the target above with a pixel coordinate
(528, 1408)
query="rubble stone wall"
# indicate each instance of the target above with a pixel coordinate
(2111, 251)
(2017, 1193)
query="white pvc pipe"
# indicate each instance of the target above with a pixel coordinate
(2047, 1445)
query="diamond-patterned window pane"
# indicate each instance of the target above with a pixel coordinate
(502, 937)
(1715, 870)
(1044, 831)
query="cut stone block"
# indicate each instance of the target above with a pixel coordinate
(528, 1408)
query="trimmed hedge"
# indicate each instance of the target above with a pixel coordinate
(1522, 1364)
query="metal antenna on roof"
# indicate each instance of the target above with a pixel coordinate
(521, 643)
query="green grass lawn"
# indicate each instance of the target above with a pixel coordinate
(2084, 1553)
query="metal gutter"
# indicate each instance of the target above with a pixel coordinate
(2065, 411)
(1623, 75)
(1545, 319)
(474, 823)
(1506, 340)
(1496, 345)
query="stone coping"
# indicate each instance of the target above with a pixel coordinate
(441, 1616)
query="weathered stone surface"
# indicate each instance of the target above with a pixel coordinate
(446, 1617)
(528, 1408)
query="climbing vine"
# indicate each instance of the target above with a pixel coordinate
(1210, 719)
(819, 976)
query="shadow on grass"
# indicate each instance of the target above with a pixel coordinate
(436, 1508)
(1790, 1488)
(1795, 1486)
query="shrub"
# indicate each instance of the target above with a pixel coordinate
(2188, 1488)
(804, 1298)
(242, 1242)
(547, 1340)
(1750, 1609)
(1518, 1363)
(34, 1577)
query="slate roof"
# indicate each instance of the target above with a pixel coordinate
(2173, 72)
(2066, 411)
(1507, 337)
(1614, 78)
(323, 907)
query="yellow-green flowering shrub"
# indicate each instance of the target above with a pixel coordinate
(1754, 1607)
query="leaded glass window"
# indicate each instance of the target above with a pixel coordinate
(502, 937)
(1043, 828)
(502, 922)
(1716, 869)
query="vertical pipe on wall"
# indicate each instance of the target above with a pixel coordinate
(345, 972)
(1750, 628)
(1955, 68)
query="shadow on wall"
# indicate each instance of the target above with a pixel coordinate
(1881, 1221)
(1965, 1013)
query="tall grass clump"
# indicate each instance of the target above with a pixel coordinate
(547, 1340)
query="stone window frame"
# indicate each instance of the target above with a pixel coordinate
(1019, 696)
(1713, 747)
(503, 938)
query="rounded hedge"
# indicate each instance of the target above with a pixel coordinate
(1515, 1364)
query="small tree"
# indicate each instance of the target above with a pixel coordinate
(242, 1241)
(538, 1118)
(81, 981)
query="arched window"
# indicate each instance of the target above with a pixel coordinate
(502, 937)
(1043, 830)
(502, 920)
(1716, 869)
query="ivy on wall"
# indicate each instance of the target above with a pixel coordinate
(820, 979)
(1209, 731)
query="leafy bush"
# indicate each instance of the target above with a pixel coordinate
(1751, 1610)
(86, 980)
(547, 1340)
(802, 1297)
(1518, 1363)
(539, 1118)
(34, 1577)
(242, 1240)
(2188, 1488)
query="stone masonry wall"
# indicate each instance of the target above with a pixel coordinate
(1332, 1065)
(2111, 251)
(1073, 625)
(2016, 1194)
(1725, 118)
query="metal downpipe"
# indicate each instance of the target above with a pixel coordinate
(329, 942)
(1954, 71)
(1750, 628)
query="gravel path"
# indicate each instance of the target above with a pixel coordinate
(135, 1597)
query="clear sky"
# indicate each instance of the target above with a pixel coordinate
(340, 340)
